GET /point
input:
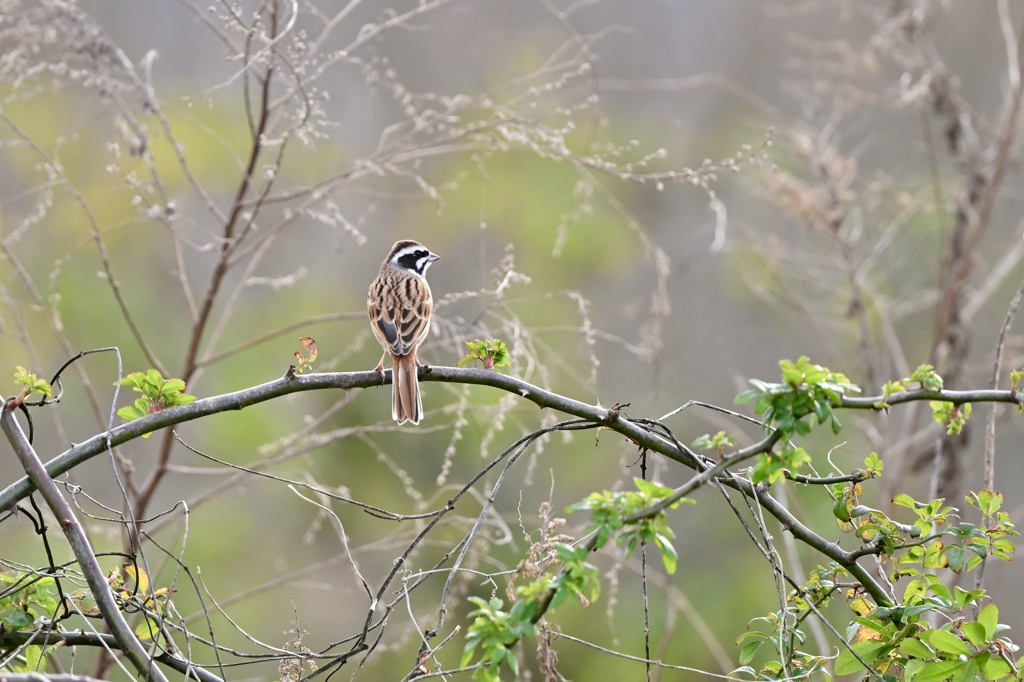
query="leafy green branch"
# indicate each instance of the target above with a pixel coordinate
(627, 518)
(807, 392)
(807, 395)
(896, 641)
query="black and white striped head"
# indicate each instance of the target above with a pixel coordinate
(412, 257)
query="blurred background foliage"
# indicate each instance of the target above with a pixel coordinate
(608, 286)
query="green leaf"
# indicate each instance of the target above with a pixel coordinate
(967, 673)
(963, 598)
(847, 664)
(130, 413)
(172, 386)
(915, 648)
(957, 558)
(822, 410)
(988, 618)
(147, 629)
(975, 633)
(995, 668)
(840, 509)
(747, 396)
(1004, 549)
(467, 651)
(946, 642)
(34, 659)
(17, 620)
(669, 557)
(655, 491)
(939, 590)
(749, 649)
(938, 671)
(513, 663)
(904, 500)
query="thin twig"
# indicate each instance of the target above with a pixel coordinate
(140, 658)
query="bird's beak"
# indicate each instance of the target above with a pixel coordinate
(434, 257)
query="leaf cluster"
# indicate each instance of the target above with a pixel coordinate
(28, 602)
(807, 394)
(304, 363)
(896, 641)
(25, 600)
(806, 391)
(908, 648)
(157, 394)
(623, 517)
(785, 642)
(495, 631)
(720, 443)
(492, 353)
(30, 384)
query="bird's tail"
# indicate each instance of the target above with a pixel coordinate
(405, 391)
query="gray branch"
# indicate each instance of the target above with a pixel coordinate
(636, 431)
(126, 640)
(94, 639)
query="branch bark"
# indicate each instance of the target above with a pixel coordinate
(294, 383)
(91, 639)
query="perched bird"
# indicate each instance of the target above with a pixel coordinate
(400, 305)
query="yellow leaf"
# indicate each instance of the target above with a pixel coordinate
(141, 579)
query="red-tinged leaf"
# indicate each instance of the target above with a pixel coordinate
(310, 345)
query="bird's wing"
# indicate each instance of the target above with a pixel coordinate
(398, 324)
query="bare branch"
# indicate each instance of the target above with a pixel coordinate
(140, 657)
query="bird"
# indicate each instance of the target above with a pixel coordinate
(400, 305)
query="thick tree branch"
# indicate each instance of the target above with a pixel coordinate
(94, 639)
(293, 383)
(638, 431)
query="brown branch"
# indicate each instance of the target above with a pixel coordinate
(948, 308)
(191, 365)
